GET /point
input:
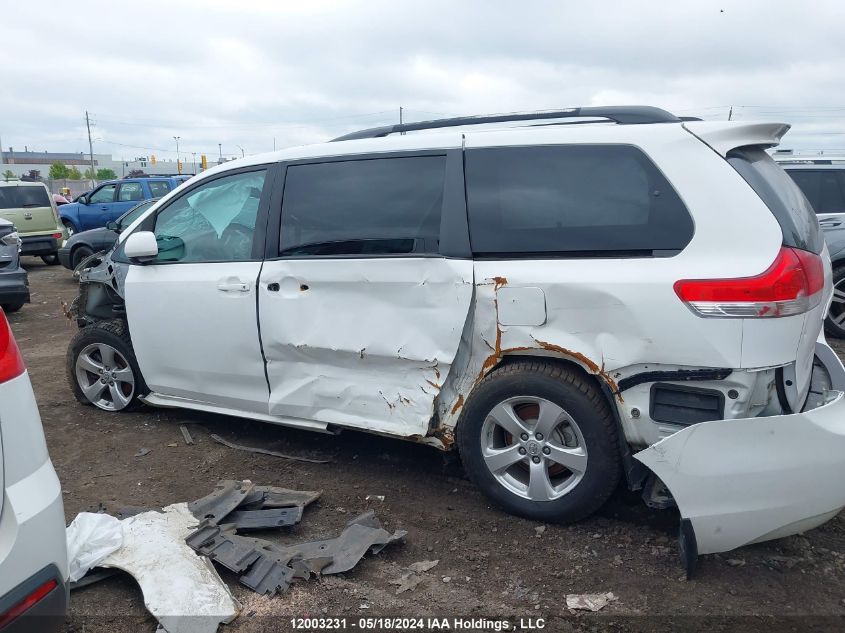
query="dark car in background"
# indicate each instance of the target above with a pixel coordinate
(822, 179)
(86, 243)
(14, 286)
(110, 200)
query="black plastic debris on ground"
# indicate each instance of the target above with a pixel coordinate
(263, 566)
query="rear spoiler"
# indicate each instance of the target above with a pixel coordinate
(723, 136)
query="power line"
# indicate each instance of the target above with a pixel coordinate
(274, 125)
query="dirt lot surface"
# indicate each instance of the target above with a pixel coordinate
(490, 564)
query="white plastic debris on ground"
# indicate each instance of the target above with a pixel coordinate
(182, 590)
(90, 538)
(589, 601)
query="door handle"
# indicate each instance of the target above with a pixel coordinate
(227, 286)
(830, 223)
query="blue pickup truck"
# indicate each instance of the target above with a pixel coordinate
(112, 199)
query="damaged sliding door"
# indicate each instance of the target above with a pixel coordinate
(361, 310)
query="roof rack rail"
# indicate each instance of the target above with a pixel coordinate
(624, 115)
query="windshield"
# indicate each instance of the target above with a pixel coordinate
(23, 197)
(134, 214)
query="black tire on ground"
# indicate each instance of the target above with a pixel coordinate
(837, 309)
(71, 229)
(78, 254)
(576, 393)
(12, 307)
(114, 333)
(51, 260)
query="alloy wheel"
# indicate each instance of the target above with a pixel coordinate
(105, 377)
(533, 448)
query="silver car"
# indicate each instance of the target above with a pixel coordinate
(822, 179)
(14, 285)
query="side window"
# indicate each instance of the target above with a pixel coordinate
(130, 192)
(364, 207)
(214, 222)
(571, 199)
(832, 199)
(103, 195)
(159, 188)
(809, 182)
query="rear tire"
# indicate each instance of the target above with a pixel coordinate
(51, 260)
(834, 323)
(555, 414)
(101, 367)
(78, 254)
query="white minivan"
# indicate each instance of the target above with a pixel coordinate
(638, 298)
(33, 553)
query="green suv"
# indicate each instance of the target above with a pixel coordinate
(30, 207)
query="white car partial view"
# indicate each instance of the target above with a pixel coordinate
(637, 298)
(33, 551)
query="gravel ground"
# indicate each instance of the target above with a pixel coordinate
(490, 564)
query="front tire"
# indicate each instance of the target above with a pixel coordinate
(78, 254)
(101, 367)
(539, 439)
(834, 323)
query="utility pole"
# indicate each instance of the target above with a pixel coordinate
(242, 150)
(90, 150)
(220, 149)
(400, 120)
(194, 154)
(1, 151)
(274, 145)
(178, 162)
(730, 113)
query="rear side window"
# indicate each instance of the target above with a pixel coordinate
(23, 197)
(159, 188)
(572, 200)
(783, 197)
(824, 189)
(130, 192)
(383, 206)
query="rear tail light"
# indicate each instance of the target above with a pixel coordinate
(58, 236)
(793, 284)
(11, 361)
(27, 603)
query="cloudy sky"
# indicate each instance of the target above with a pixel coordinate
(245, 73)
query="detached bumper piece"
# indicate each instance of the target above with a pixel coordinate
(738, 482)
(263, 566)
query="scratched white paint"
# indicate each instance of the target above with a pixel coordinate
(364, 343)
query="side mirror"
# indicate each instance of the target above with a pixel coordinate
(141, 247)
(111, 225)
(82, 200)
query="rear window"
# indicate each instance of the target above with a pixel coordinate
(23, 197)
(159, 188)
(572, 200)
(785, 200)
(824, 189)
